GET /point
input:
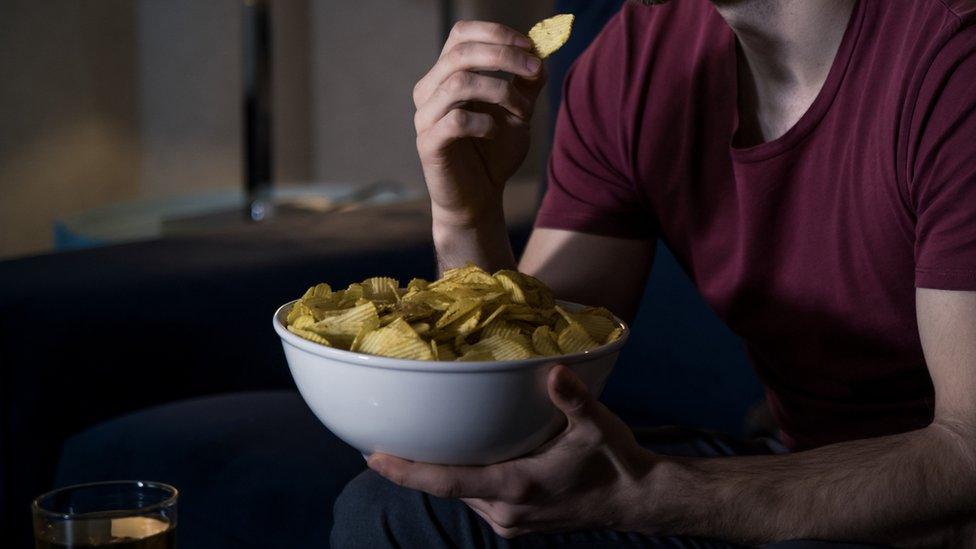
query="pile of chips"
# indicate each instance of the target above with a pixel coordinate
(468, 314)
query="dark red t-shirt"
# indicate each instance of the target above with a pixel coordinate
(809, 246)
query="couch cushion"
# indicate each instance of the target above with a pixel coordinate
(253, 469)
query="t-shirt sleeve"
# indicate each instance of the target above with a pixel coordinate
(590, 189)
(943, 184)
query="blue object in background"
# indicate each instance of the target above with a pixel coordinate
(67, 239)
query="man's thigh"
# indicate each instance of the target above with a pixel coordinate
(373, 512)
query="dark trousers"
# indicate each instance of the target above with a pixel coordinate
(373, 512)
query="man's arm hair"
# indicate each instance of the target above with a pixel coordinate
(914, 489)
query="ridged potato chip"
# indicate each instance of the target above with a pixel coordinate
(319, 290)
(381, 288)
(342, 327)
(311, 336)
(297, 311)
(544, 341)
(467, 315)
(574, 339)
(395, 342)
(428, 298)
(615, 335)
(303, 322)
(500, 328)
(597, 321)
(458, 310)
(476, 355)
(550, 34)
(465, 325)
(501, 347)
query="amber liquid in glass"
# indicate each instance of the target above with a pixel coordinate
(115, 533)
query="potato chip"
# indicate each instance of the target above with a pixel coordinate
(320, 305)
(574, 339)
(432, 299)
(402, 327)
(386, 319)
(468, 314)
(598, 327)
(500, 328)
(465, 325)
(319, 290)
(342, 327)
(598, 311)
(527, 314)
(473, 278)
(502, 348)
(469, 274)
(544, 342)
(476, 355)
(494, 314)
(550, 34)
(357, 343)
(303, 322)
(394, 342)
(297, 311)
(614, 335)
(381, 288)
(525, 289)
(511, 285)
(560, 324)
(597, 321)
(457, 310)
(480, 292)
(311, 336)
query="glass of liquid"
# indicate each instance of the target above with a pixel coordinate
(129, 514)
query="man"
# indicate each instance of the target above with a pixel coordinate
(812, 165)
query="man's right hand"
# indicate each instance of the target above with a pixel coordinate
(473, 128)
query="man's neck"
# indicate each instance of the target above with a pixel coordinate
(787, 48)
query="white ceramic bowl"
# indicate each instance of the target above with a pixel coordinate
(458, 413)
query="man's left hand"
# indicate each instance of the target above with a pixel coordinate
(589, 476)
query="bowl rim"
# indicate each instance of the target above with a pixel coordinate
(376, 361)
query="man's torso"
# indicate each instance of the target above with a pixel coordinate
(806, 246)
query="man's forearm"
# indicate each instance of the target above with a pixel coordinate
(907, 489)
(483, 242)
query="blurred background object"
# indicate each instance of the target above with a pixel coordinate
(120, 100)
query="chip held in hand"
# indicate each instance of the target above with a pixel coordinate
(550, 34)
(468, 315)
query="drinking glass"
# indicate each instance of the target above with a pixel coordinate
(127, 514)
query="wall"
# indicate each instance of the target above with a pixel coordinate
(189, 76)
(367, 57)
(68, 114)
